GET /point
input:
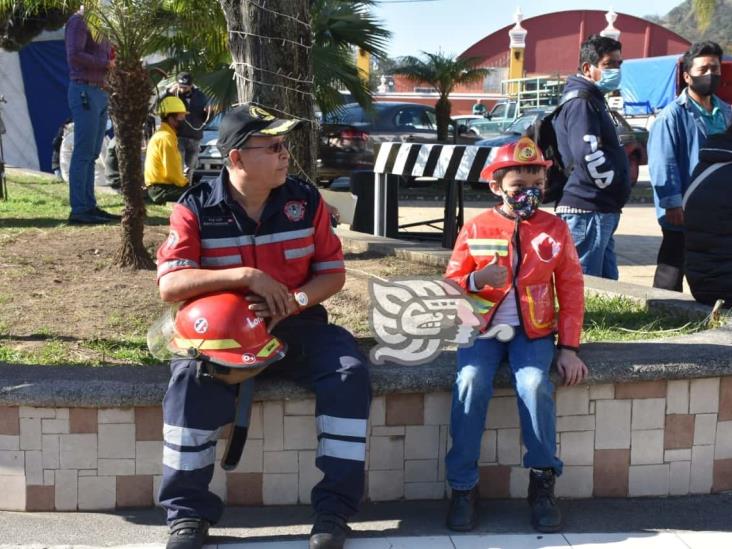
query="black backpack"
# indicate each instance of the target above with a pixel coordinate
(543, 134)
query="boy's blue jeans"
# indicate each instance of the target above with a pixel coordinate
(530, 362)
(593, 235)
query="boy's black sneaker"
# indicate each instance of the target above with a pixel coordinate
(329, 532)
(187, 533)
(463, 513)
(545, 514)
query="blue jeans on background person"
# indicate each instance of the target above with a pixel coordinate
(189, 150)
(592, 233)
(530, 361)
(88, 106)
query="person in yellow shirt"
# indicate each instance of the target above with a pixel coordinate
(164, 176)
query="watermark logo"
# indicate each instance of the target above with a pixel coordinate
(413, 319)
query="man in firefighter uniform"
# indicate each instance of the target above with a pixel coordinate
(257, 231)
(514, 259)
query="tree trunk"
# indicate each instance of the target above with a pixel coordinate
(270, 46)
(128, 103)
(442, 109)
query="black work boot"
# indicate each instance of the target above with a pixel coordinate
(329, 532)
(545, 514)
(463, 513)
(187, 533)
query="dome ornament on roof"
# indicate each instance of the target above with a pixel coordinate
(518, 34)
(611, 31)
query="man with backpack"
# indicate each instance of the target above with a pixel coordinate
(596, 167)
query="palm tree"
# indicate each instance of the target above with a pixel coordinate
(338, 28)
(134, 28)
(443, 73)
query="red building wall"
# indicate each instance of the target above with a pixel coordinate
(553, 41)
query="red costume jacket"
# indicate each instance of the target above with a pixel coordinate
(547, 266)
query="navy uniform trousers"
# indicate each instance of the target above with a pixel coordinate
(322, 356)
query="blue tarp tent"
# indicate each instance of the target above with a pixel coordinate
(649, 84)
(34, 82)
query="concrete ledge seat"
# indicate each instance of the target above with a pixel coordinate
(706, 354)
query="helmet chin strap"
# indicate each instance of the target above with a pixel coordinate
(240, 429)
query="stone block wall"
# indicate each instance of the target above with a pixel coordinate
(651, 438)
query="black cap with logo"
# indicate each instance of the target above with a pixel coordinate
(246, 120)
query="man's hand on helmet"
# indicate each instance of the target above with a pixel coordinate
(274, 295)
(262, 310)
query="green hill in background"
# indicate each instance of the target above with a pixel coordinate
(682, 20)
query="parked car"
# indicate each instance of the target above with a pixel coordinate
(209, 157)
(348, 138)
(633, 139)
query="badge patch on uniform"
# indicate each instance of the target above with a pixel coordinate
(172, 240)
(545, 247)
(295, 210)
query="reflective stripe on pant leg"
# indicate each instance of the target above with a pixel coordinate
(338, 372)
(194, 410)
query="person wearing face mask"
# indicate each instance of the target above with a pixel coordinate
(598, 182)
(164, 177)
(513, 260)
(677, 135)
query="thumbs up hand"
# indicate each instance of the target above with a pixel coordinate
(493, 274)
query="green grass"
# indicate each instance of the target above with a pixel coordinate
(622, 319)
(42, 201)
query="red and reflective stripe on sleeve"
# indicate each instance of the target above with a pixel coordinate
(328, 257)
(182, 248)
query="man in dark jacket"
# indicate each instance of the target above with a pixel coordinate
(707, 210)
(599, 183)
(191, 132)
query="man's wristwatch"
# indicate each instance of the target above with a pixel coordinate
(301, 299)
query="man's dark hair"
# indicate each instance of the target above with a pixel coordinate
(595, 48)
(701, 49)
(500, 173)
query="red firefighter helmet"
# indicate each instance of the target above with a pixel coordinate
(523, 152)
(219, 327)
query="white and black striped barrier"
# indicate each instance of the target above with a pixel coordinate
(455, 164)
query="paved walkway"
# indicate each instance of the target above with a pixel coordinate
(694, 522)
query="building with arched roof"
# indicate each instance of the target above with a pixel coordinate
(551, 46)
(553, 41)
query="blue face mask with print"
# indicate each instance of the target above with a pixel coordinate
(609, 80)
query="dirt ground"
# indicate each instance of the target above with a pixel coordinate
(60, 285)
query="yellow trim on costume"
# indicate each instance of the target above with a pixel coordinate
(481, 303)
(488, 246)
(532, 312)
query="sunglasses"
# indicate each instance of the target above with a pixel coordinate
(274, 148)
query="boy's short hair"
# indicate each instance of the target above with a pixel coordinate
(701, 49)
(500, 173)
(595, 48)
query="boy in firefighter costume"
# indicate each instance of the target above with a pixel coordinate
(258, 232)
(514, 259)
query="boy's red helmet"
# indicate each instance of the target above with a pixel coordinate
(523, 152)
